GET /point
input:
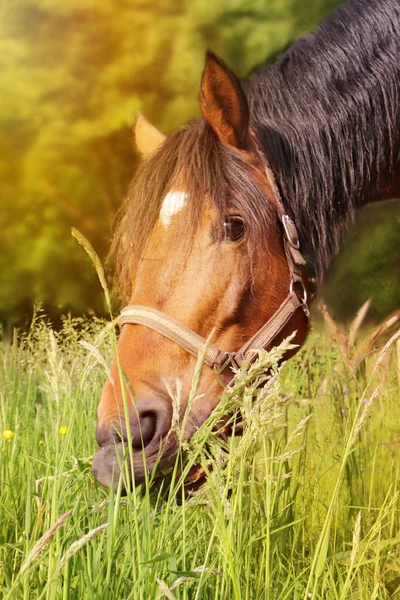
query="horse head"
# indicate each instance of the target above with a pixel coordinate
(203, 243)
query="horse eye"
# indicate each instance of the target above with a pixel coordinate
(233, 229)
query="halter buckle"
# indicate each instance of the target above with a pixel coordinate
(290, 231)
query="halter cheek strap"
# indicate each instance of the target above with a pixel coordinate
(214, 357)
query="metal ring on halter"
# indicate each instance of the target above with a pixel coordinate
(229, 362)
(303, 299)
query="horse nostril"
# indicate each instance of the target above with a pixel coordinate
(150, 420)
(144, 432)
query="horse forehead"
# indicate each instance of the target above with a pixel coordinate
(172, 204)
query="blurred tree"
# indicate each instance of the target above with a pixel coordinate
(72, 77)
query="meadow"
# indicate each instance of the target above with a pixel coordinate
(303, 504)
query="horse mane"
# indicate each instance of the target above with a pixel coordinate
(328, 116)
(193, 159)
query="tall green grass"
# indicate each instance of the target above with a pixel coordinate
(304, 504)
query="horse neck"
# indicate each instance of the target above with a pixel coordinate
(328, 116)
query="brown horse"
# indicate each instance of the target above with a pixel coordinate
(210, 234)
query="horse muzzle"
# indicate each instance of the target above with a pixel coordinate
(132, 450)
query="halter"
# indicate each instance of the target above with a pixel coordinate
(194, 343)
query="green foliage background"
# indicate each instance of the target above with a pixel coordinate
(73, 75)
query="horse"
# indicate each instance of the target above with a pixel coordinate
(226, 215)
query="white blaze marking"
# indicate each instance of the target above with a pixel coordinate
(173, 203)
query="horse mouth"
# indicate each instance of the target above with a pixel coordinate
(115, 461)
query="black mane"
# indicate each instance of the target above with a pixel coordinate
(328, 116)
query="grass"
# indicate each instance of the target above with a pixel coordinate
(304, 504)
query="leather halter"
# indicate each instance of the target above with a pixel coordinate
(195, 344)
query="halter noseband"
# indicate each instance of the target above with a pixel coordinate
(195, 343)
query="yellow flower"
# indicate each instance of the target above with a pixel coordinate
(8, 434)
(63, 430)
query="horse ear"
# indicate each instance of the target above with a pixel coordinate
(223, 103)
(148, 138)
